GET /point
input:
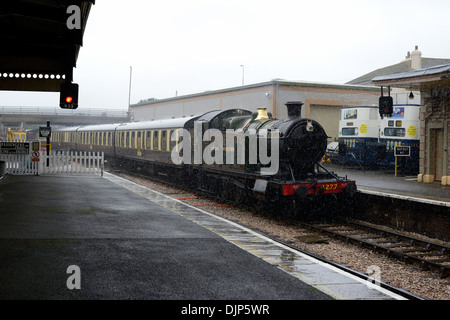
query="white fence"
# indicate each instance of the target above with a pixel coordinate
(54, 163)
(19, 164)
(72, 162)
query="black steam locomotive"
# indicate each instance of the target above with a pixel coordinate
(236, 154)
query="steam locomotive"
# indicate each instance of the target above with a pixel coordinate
(236, 154)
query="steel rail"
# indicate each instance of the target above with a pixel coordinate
(399, 246)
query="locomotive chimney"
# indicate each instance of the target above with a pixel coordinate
(294, 109)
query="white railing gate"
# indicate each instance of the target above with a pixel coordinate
(27, 158)
(72, 162)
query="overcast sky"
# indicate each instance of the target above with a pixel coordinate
(191, 46)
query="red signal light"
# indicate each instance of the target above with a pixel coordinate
(68, 96)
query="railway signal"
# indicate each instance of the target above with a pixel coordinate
(386, 104)
(68, 98)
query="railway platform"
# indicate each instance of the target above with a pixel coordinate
(386, 184)
(90, 237)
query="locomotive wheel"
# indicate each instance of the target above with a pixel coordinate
(289, 208)
(239, 195)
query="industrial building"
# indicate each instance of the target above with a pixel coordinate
(322, 102)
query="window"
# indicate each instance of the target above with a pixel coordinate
(155, 140)
(133, 140)
(172, 143)
(139, 140)
(127, 139)
(164, 140)
(350, 114)
(394, 132)
(349, 131)
(148, 140)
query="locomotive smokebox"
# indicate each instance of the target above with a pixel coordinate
(294, 109)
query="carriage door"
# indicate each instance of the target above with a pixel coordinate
(437, 152)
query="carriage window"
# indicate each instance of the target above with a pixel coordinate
(148, 141)
(172, 143)
(139, 140)
(127, 139)
(394, 132)
(133, 140)
(164, 140)
(155, 140)
(122, 139)
(349, 131)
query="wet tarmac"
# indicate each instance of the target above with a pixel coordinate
(117, 240)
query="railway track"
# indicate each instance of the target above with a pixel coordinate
(428, 255)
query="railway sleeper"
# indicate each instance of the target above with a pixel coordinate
(398, 245)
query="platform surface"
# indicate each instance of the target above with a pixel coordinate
(132, 243)
(387, 184)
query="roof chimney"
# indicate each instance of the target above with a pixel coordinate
(416, 59)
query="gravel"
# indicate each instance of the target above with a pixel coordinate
(425, 284)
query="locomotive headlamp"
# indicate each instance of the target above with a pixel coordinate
(309, 126)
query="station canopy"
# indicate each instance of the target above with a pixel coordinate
(38, 50)
(422, 80)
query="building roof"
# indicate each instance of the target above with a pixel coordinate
(279, 82)
(423, 79)
(402, 67)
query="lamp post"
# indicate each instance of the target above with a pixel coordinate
(243, 71)
(129, 93)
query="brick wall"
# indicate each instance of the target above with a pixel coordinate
(434, 114)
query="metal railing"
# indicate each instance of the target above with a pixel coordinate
(55, 111)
